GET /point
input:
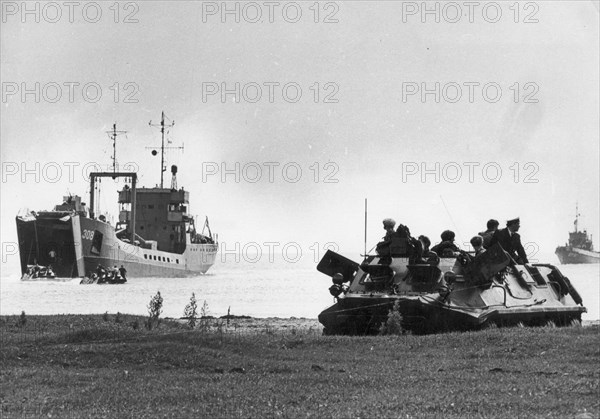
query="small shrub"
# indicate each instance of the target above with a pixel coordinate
(154, 310)
(135, 325)
(191, 311)
(105, 316)
(119, 318)
(204, 316)
(22, 320)
(393, 324)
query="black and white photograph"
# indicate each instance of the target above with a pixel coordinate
(311, 208)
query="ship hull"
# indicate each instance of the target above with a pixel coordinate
(74, 246)
(573, 255)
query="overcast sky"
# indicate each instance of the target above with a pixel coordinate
(333, 89)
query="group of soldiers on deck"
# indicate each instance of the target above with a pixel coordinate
(399, 242)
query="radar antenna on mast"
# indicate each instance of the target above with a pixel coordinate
(162, 126)
(113, 136)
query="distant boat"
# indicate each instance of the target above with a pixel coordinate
(579, 249)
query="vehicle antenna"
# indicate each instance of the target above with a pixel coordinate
(113, 136)
(365, 228)
(451, 219)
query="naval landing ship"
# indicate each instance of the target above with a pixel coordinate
(155, 235)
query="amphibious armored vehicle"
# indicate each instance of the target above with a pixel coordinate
(459, 293)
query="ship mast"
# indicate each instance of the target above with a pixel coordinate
(162, 144)
(113, 136)
(576, 216)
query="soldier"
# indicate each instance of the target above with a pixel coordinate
(123, 272)
(510, 241)
(428, 256)
(446, 248)
(388, 226)
(492, 227)
(384, 245)
(477, 243)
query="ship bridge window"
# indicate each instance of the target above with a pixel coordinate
(177, 208)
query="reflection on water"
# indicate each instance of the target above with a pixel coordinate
(263, 289)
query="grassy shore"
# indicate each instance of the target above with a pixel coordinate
(112, 366)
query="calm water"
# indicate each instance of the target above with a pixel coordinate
(262, 289)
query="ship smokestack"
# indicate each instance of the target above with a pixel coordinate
(174, 177)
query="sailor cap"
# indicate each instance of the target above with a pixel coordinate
(513, 221)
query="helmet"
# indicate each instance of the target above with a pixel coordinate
(388, 222)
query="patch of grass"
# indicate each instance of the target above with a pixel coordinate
(81, 366)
